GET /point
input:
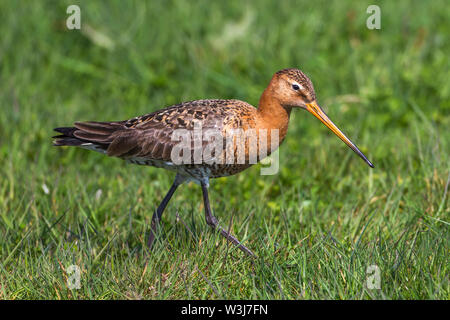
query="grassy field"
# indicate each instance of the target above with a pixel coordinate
(317, 226)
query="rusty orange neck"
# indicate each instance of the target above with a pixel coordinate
(272, 115)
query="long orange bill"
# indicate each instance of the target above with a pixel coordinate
(317, 111)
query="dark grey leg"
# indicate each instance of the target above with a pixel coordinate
(159, 211)
(212, 221)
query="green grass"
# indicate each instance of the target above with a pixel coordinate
(316, 226)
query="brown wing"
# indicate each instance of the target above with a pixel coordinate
(150, 136)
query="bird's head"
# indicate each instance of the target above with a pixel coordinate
(293, 89)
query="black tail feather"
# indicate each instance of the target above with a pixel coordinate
(67, 141)
(66, 138)
(99, 134)
(67, 131)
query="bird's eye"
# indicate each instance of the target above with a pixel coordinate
(295, 87)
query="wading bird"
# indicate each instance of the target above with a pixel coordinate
(148, 139)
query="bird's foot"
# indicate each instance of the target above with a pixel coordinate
(213, 223)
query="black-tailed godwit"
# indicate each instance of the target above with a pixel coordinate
(149, 139)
